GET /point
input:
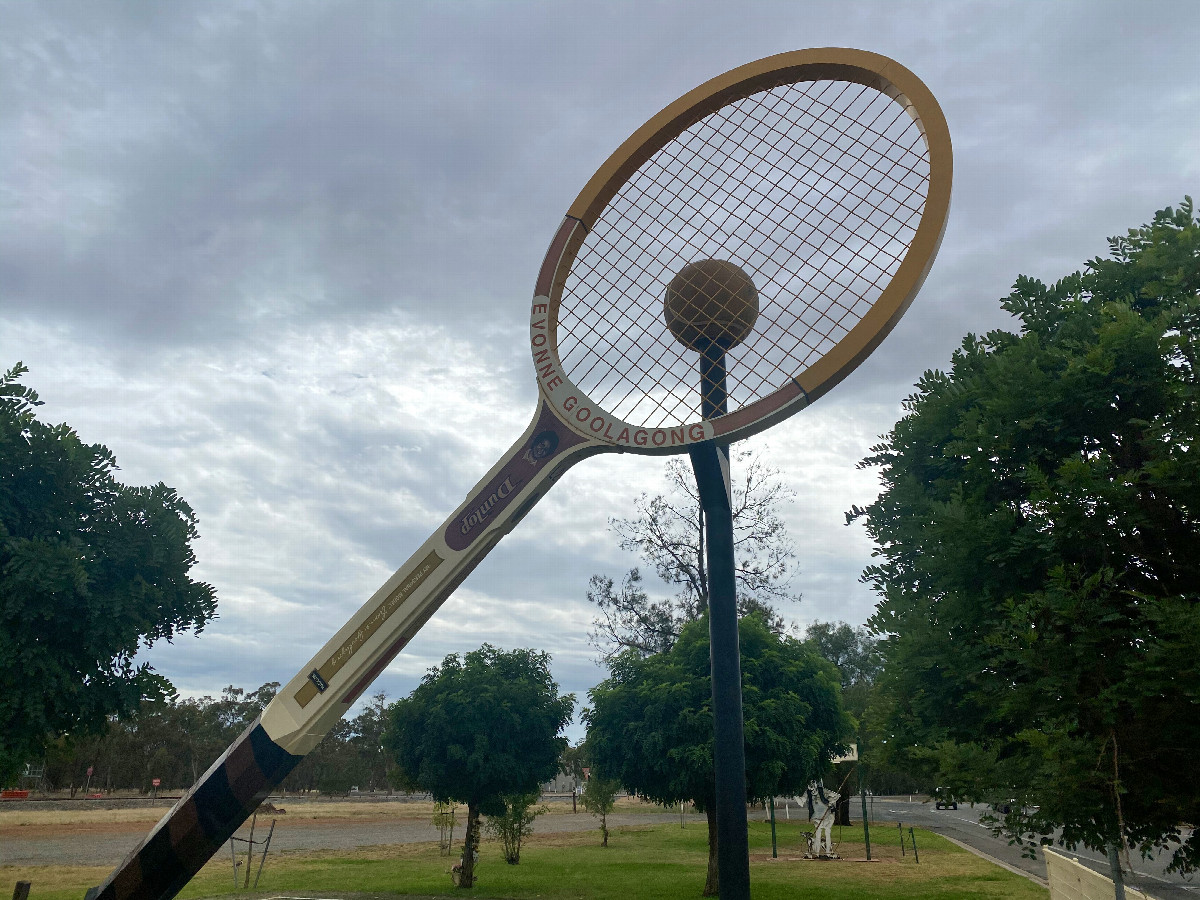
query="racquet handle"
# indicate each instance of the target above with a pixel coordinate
(202, 821)
(301, 714)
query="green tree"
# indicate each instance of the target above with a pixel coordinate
(91, 571)
(173, 739)
(650, 725)
(207, 726)
(515, 823)
(1039, 580)
(478, 729)
(574, 760)
(668, 534)
(599, 798)
(853, 651)
(366, 742)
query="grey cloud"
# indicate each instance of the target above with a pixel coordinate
(267, 164)
(278, 255)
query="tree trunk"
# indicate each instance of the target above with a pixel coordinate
(712, 883)
(604, 829)
(470, 846)
(1122, 847)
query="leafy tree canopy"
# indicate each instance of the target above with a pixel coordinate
(479, 729)
(90, 571)
(852, 649)
(651, 728)
(177, 739)
(668, 534)
(1038, 534)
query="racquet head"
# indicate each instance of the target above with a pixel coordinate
(822, 174)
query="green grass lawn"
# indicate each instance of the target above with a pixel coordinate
(645, 861)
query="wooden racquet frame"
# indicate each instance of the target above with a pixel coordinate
(567, 427)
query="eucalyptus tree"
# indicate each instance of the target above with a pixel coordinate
(667, 532)
(1038, 573)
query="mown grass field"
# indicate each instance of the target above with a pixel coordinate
(641, 861)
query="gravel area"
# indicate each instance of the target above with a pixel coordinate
(107, 843)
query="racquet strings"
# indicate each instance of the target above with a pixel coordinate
(815, 189)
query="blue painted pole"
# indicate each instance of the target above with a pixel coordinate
(710, 461)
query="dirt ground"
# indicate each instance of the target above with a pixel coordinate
(75, 833)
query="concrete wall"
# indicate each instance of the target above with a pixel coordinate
(1070, 880)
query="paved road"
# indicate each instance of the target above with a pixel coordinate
(963, 826)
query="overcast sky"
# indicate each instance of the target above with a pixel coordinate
(279, 255)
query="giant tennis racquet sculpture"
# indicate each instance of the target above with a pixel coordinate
(823, 176)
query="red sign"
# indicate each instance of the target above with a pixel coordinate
(89, 771)
(156, 781)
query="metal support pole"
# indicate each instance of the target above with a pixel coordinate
(713, 393)
(1114, 864)
(862, 791)
(774, 846)
(913, 837)
(711, 464)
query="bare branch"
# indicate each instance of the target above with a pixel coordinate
(667, 533)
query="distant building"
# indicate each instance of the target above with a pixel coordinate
(560, 784)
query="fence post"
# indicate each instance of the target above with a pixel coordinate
(250, 851)
(263, 859)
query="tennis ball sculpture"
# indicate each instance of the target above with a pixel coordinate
(708, 302)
